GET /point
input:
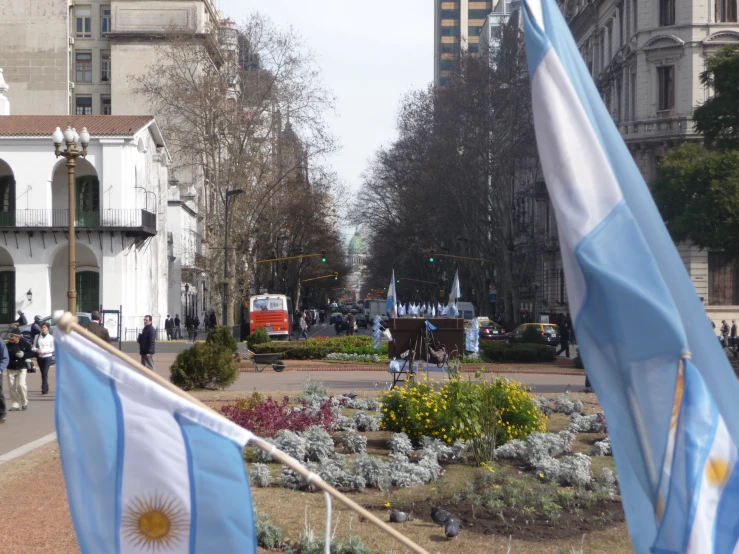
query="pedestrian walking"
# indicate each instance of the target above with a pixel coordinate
(564, 336)
(3, 367)
(44, 349)
(303, 328)
(177, 327)
(733, 332)
(212, 319)
(195, 327)
(169, 327)
(147, 343)
(96, 327)
(571, 327)
(350, 324)
(35, 328)
(18, 351)
(724, 333)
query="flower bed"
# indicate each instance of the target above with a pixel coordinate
(460, 409)
(320, 347)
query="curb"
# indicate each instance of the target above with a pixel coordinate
(26, 448)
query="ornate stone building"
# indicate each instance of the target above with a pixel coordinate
(356, 255)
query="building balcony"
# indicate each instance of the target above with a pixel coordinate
(657, 129)
(133, 222)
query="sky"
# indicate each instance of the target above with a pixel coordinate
(370, 54)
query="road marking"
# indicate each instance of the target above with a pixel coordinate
(26, 448)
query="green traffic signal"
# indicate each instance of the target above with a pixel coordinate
(323, 256)
(431, 259)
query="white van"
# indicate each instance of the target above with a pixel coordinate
(466, 310)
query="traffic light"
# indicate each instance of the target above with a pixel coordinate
(323, 256)
(336, 276)
(397, 281)
(431, 257)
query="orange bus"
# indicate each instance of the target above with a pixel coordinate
(273, 312)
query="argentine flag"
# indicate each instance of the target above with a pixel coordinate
(146, 470)
(668, 392)
(391, 306)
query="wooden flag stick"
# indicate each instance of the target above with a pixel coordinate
(68, 323)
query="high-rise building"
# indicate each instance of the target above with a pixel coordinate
(492, 31)
(457, 27)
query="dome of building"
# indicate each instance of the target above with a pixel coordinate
(357, 245)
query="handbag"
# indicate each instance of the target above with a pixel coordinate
(30, 368)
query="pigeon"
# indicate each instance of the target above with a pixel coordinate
(350, 395)
(567, 389)
(440, 516)
(396, 516)
(451, 528)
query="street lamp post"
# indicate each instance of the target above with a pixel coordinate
(224, 307)
(71, 138)
(187, 307)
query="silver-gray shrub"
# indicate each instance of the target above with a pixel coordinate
(586, 424)
(366, 422)
(333, 471)
(459, 450)
(357, 404)
(537, 446)
(342, 423)
(602, 448)
(571, 470)
(319, 444)
(262, 456)
(260, 475)
(403, 473)
(291, 444)
(565, 405)
(439, 449)
(353, 442)
(313, 392)
(374, 471)
(400, 444)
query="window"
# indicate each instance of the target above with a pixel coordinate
(450, 14)
(666, 88)
(447, 65)
(105, 106)
(105, 21)
(83, 63)
(88, 291)
(473, 31)
(478, 14)
(602, 50)
(7, 201)
(450, 31)
(83, 21)
(7, 296)
(621, 24)
(723, 280)
(105, 67)
(609, 41)
(83, 105)
(473, 48)
(666, 12)
(726, 11)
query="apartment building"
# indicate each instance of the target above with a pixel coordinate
(492, 30)
(457, 27)
(82, 58)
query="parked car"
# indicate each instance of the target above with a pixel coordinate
(361, 321)
(549, 332)
(489, 330)
(83, 318)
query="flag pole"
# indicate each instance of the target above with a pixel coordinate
(68, 323)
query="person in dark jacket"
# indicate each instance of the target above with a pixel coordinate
(19, 350)
(169, 327)
(35, 328)
(21, 319)
(564, 337)
(147, 341)
(212, 319)
(4, 359)
(96, 327)
(177, 327)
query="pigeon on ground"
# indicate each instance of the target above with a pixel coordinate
(440, 516)
(396, 516)
(351, 395)
(451, 528)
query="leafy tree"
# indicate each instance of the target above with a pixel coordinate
(718, 118)
(697, 191)
(697, 187)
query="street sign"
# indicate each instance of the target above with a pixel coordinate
(493, 293)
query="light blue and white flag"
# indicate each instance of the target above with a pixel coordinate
(472, 337)
(667, 390)
(391, 306)
(454, 295)
(146, 470)
(433, 311)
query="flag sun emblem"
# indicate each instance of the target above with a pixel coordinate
(154, 522)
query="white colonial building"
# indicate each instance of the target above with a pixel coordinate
(120, 217)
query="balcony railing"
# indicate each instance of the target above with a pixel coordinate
(134, 220)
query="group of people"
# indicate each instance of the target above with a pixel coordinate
(728, 334)
(18, 354)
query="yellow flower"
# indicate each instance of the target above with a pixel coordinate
(387, 504)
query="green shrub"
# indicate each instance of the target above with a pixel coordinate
(221, 336)
(268, 534)
(204, 366)
(532, 335)
(319, 348)
(258, 336)
(524, 353)
(461, 409)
